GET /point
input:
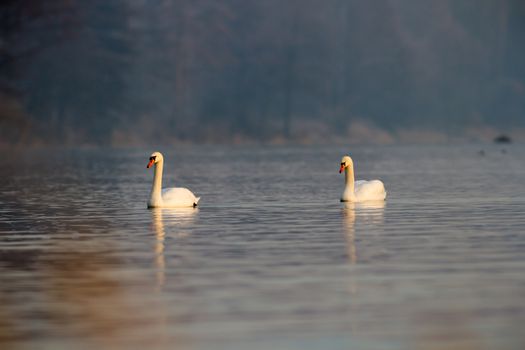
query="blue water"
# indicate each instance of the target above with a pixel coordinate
(271, 259)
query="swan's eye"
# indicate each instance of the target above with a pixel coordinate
(151, 158)
(343, 164)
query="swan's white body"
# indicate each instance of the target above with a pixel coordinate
(168, 197)
(359, 191)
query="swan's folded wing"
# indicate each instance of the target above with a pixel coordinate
(370, 190)
(359, 183)
(178, 196)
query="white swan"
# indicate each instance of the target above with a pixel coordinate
(359, 191)
(168, 197)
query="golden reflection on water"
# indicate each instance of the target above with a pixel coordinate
(8, 332)
(78, 293)
(73, 291)
(452, 331)
(85, 290)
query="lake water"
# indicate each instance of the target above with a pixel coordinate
(271, 259)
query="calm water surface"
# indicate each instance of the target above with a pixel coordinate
(271, 259)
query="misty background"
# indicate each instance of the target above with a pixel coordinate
(232, 71)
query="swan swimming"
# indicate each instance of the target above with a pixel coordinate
(168, 197)
(359, 191)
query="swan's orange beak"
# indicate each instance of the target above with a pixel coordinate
(341, 169)
(150, 164)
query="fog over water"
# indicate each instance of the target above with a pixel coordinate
(143, 72)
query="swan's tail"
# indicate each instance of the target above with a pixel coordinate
(196, 201)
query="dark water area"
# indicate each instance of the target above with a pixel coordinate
(270, 258)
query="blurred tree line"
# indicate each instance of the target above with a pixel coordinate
(127, 72)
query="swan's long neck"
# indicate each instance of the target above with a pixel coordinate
(156, 189)
(349, 192)
(349, 178)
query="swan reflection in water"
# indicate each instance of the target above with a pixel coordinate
(361, 215)
(175, 223)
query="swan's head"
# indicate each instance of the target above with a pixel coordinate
(345, 163)
(154, 158)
